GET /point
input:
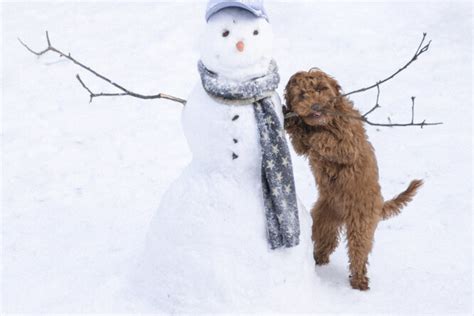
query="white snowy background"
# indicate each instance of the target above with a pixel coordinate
(81, 181)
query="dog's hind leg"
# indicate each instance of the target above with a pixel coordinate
(326, 230)
(360, 236)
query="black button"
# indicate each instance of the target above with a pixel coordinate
(234, 156)
(235, 118)
(235, 141)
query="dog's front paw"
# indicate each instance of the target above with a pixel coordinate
(292, 124)
(360, 283)
(320, 260)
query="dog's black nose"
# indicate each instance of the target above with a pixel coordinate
(316, 107)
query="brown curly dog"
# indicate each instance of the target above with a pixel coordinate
(327, 131)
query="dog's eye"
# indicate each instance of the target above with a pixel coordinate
(225, 33)
(256, 32)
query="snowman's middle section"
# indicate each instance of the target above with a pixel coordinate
(222, 138)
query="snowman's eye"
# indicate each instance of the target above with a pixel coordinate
(226, 33)
(256, 32)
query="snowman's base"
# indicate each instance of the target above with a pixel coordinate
(207, 252)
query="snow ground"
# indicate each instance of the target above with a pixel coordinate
(81, 181)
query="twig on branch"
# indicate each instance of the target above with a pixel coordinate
(377, 105)
(364, 119)
(125, 91)
(412, 122)
(94, 95)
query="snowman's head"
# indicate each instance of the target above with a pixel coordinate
(237, 45)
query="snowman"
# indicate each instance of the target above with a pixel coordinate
(229, 234)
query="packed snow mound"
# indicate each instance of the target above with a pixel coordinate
(211, 253)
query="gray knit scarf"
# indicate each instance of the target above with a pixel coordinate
(281, 209)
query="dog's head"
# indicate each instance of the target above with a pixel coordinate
(313, 96)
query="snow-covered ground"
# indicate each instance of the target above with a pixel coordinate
(81, 181)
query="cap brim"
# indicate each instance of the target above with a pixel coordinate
(220, 6)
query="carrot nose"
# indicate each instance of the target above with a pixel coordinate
(240, 46)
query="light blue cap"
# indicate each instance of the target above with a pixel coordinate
(253, 6)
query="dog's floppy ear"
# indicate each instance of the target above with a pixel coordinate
(288, 93)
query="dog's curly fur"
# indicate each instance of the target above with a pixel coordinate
(327, 131)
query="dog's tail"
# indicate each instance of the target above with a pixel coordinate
(393, 207)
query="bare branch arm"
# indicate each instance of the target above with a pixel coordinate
(125, 91)
(419, 51)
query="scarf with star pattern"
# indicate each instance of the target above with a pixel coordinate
(278, 185)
